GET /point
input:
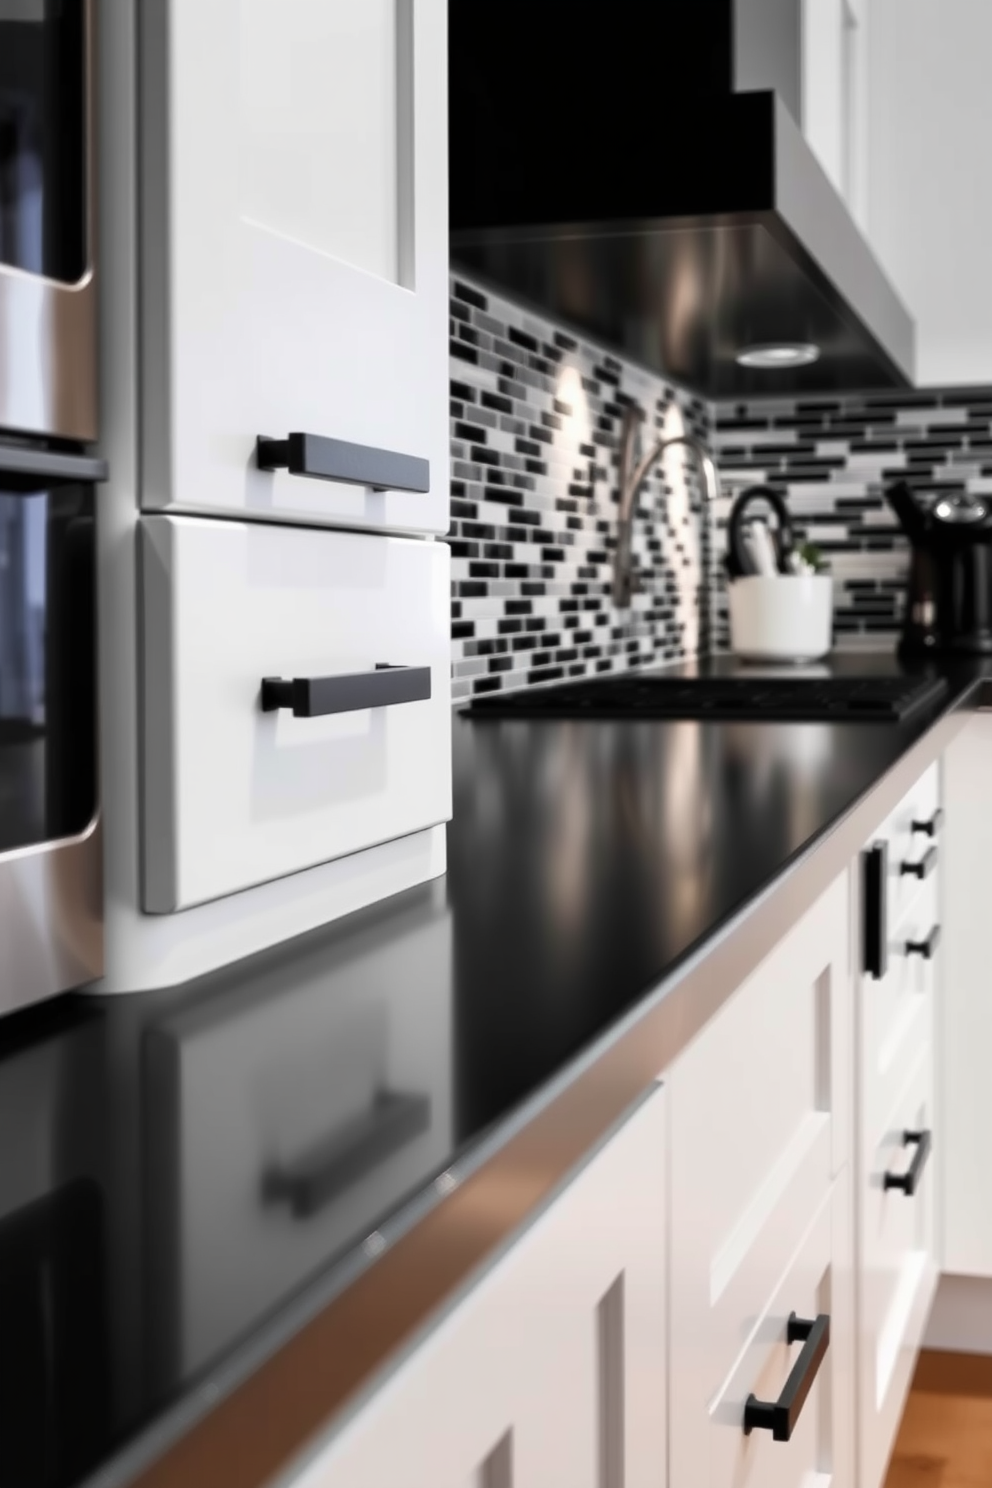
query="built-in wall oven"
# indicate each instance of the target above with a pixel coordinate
(50, 859)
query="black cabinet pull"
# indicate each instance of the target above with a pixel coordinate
(932, 827)
(907, 1182)
(875, 872)
(924, 867)
(925, 948)
(780, 1416)
(337, 460)
(313, 697)
(314, 1179)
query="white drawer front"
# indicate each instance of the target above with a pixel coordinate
(234, 795)
(897, 1011)
(897, 1267)
(909, 847)
(755, 1459)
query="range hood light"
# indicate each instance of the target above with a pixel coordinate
(780, 355)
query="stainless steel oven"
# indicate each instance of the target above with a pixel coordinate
(48, 383)
(51, 878)
(51, 889)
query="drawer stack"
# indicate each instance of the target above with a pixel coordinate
(896, 1264)
(762, 1297)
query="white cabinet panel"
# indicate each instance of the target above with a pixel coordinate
(551, 1372)
(760, 1139)
(294, 209)
(965, 1016)
(897, 1271)
(235, 795)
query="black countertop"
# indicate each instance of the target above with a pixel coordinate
(176, 1190)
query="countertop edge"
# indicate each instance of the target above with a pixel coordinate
(267, 1428)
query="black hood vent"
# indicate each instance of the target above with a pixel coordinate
(604, 169)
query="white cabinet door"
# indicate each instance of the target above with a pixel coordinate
(551, 1372)
(295, 255)
(759, 1141)
(237, 792)
(835, 95)
(965, 1010)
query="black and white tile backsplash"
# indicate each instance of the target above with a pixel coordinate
(535, 417)
(832, 458)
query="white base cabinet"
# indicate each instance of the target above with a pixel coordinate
(552, 1372)
(760, 1218)
(898, 1137)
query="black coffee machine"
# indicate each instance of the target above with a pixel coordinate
(949, 598)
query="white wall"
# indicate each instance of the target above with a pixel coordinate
(930, 213)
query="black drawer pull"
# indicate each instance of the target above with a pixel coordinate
(336, 460)
(314, 1179)
(313, 697)
(875, 872)
(932, 827)
(780, 1416)
(907, 1182)
(925, 948)
(923, 868)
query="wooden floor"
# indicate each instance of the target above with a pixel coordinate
(945, 1440)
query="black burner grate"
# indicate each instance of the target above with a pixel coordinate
(783, 699)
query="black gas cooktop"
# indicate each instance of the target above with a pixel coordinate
(878, 699)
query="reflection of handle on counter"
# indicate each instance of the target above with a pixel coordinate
(349, 1153)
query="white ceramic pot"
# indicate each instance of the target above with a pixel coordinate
(788, 617)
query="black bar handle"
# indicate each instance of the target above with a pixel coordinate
(314, 697)
(923, 868)
(925, 948)
(781, 1416)
(337, 460)
(907, 1182)
(932, 827)
(875, 873)
(313, 1180)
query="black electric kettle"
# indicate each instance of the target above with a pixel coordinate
(949, 595)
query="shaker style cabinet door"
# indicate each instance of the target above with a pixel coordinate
(551, 1372)
(295, 260)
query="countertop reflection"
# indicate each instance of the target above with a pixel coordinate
(207, 1165)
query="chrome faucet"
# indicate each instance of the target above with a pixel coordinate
(626, 582)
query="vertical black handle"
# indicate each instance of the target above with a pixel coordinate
(875, 873)
(780, 1416)
(908, 1182)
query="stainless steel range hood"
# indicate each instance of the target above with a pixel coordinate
(655, 207)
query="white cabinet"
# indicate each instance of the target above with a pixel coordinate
(551, 1372)
(834, 91)
(760, 1216)
(295, 256)
(930, 198)
(249, 774)
(966, 1011)
(896, 1249)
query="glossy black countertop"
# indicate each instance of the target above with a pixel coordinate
(186, 1177)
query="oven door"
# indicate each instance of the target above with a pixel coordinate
(50, 860)
(47, 288)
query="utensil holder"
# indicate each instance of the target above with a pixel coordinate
(788, 617)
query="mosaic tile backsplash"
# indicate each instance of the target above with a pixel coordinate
(535, 417)
(832, 458)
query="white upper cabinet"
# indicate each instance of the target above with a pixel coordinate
(931, 197)
(295, 259)
(834, 92)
